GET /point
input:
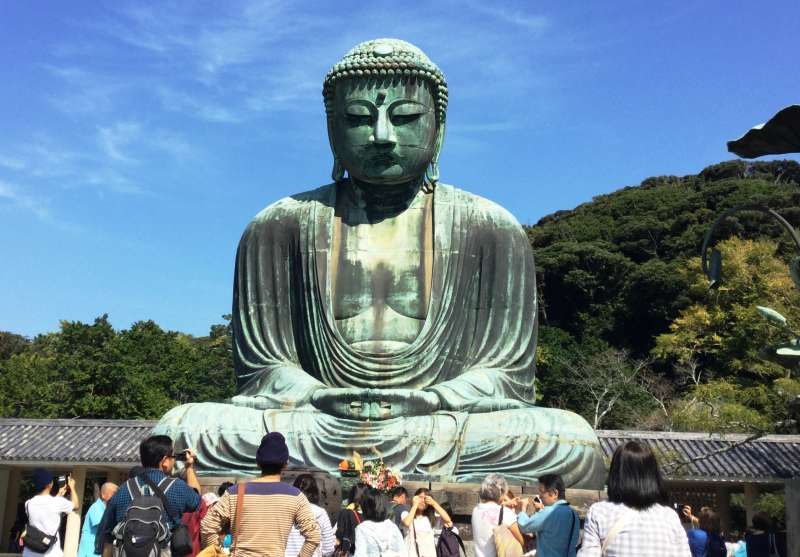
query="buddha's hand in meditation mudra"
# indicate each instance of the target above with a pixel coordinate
(374, 404)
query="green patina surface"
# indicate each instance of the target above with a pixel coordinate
(387, 311)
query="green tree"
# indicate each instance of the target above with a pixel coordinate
(93, 371)
(721, 342)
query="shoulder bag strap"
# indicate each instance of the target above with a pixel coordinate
(237, 520)
(158, 491)
(414, 528)
(460, 541)
(133, 488)
(166, 483)
(28, 516)
(619, 524)
(500, 520)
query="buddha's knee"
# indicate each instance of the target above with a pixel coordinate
(527, 422)
(526, 443)
(223, 437)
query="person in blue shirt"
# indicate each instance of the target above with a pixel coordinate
(92, 520)
(554, 523)
(705, 540)
(158, 461)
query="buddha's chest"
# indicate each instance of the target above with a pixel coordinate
(381, 279)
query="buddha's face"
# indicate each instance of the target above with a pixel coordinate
(384, 131)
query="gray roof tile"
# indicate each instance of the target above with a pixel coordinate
(773, 457)
(87, 441)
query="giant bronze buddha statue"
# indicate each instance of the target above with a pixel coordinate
(387, 311)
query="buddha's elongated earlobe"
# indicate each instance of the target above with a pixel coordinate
(338, 170)
(432, 172)
(337, 174)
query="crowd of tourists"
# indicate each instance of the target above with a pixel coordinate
(156, 514)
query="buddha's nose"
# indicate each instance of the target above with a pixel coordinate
(383, 133)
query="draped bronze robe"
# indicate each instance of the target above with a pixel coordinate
(476, 351)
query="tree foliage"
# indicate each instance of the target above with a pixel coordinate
(94, 371)
(623, 273)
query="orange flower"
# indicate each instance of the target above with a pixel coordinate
(344, 465)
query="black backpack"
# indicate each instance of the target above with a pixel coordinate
(449, 543)
(145, 531)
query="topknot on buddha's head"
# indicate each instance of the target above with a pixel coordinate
(386, 59)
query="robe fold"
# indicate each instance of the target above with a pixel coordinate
(479, 338)
(476, 351)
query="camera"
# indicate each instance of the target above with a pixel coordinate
(60, 483)
(181, 456)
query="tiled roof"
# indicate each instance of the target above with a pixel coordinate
(83, 441)
(769, 458)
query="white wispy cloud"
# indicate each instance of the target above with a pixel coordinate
(191, 104)
(12, 163)
(14, 195)
(84, 91)
(531, 22)
(115, 139)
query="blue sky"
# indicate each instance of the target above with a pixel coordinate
(139, 138)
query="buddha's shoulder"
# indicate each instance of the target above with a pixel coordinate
(478, 206)
(295, 207)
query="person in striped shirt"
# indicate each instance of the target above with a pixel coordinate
(270, 509)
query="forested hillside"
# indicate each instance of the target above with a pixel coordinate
(629, 326)
(631, 335)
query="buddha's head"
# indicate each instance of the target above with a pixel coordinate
(386, 104)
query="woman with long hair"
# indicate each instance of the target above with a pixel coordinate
(424, 522)
(378, 535)
(634, 522)
(706, 539)
(308, 486)
(350, 517)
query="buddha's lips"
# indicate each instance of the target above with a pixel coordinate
(383, 159)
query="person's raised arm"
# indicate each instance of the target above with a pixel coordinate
(412, 513)
(446, 520)
(191, 477)
(73, 494)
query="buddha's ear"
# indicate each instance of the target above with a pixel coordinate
(337, 174)
(432, 173)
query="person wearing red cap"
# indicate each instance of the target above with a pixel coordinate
(269, 508)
